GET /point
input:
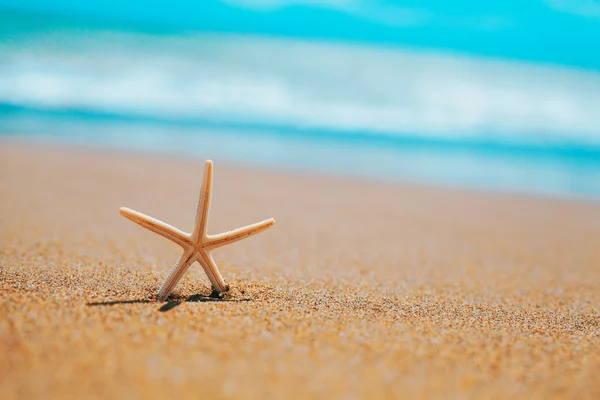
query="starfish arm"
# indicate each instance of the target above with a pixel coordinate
(213, 273)
(222, 239)
(184, 262)
(203, 203)
(156, 226)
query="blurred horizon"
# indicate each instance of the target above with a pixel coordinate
(502, 96)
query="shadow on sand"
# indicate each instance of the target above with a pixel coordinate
(171, 304)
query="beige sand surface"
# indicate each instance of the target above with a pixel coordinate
(361, 290)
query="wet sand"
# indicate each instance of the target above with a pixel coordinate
(360, 290)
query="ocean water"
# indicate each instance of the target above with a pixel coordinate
(321, 107)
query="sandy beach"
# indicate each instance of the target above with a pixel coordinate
(360, 290)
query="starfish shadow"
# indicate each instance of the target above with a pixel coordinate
(171, 304)
(198, 298)
(116, 302)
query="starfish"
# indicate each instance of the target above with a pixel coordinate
(198, 244)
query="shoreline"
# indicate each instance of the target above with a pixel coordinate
(295, 171)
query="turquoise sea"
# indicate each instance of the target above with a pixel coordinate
(282, 104)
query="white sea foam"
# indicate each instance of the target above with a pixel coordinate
(305, 84)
